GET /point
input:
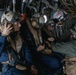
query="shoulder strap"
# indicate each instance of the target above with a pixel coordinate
(33, 31)
(12, 53)
(48, 33)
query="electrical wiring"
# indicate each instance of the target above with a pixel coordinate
(70, 9)
(70, 6)
(75, 2)
(67, 6)
(70, 2)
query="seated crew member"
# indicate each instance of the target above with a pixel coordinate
(66, 48)
(50, 62)
(14, 52)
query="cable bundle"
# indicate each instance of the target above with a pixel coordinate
(70, 5)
